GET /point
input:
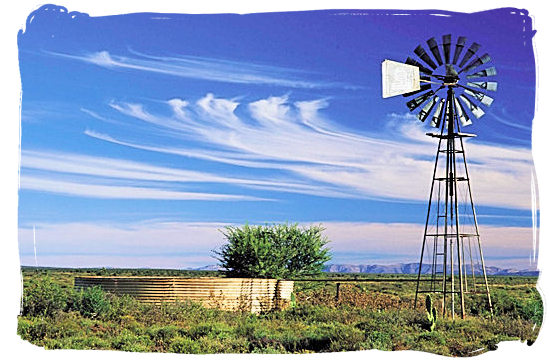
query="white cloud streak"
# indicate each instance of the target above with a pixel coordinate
(202, 68)
(101, 177)
(295, 137)
(73, 188)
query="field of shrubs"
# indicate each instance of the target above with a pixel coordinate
(365, 316)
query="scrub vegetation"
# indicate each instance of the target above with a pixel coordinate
(366, 315)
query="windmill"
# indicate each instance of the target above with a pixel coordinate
(452, 88)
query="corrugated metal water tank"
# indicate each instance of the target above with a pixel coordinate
(253, 295)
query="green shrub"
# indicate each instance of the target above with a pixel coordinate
(128, 341)
(43, 298)
(276, 251)
(184, 345)
(32, 330)
(246, 327)
(504, 303)
(477, 305)
(78, 343)
(434, 337)
(66, 325)
(94, 302)
(162, 335)
(379, 340)
(122, 306)
(331, 337)
(267, 350)
(212, 330)
(23, 327)
(208, 345)
(532, 308)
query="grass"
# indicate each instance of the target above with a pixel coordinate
(367, 315)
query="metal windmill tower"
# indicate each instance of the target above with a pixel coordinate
(451, 260)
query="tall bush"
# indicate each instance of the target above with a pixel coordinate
(94, 302)
(273, 251)
(43, 297)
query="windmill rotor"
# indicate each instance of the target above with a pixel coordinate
(471, 79)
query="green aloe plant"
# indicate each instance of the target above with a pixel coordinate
(432, 313)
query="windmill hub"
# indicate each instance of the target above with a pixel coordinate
(451, 76)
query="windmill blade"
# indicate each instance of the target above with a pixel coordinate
(471, 51)
(436, 119)
(492, 71)
(477, 62)
(485, 85)
(434, 48)
(423, 87)
(458, 48)
(462, 116)
(421, 53)
(425, 112)
(423, 69)
(474, 109)
(478, 95)
(447, 47)
(417, 101)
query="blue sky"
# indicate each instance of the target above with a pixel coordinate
(143, 134)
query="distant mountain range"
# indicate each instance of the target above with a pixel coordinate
(412, 268)
(401, 268)
(206, 268)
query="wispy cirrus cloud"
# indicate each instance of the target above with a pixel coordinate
(297, 138)
(106, 177)
(503, 117)
(111, 191)
(204, 68)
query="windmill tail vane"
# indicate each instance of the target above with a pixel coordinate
(452, 266)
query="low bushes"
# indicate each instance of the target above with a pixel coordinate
(362, 318)
(45, 298)
(528, 308)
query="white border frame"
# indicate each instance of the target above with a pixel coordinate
(14, 18)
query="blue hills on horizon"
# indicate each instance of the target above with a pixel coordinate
(401, 268)
(412, 268)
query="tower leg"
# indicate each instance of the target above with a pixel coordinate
(482, 260)
(426, 226)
